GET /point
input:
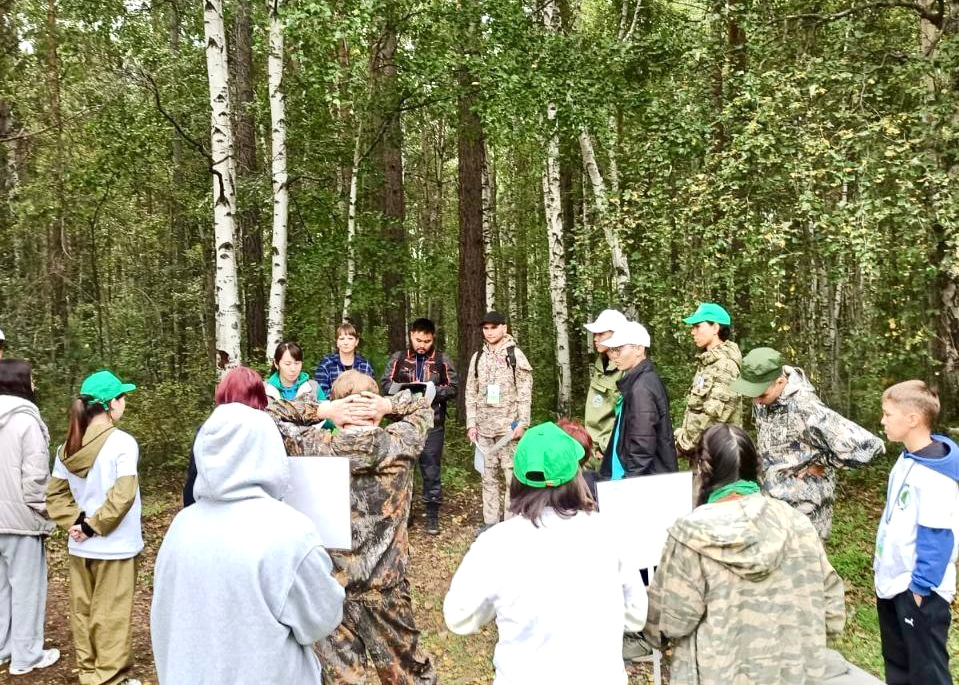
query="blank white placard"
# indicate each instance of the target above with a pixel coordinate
(320, 488)
(640, 511)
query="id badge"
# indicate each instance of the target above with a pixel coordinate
(492, 393)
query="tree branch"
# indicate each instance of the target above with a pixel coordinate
(935, 18)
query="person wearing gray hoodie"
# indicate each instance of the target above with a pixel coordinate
(24, 472)
(242, 584)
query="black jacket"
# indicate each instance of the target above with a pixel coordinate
(437, 367)
(645, 429)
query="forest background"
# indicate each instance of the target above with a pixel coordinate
(793, 160)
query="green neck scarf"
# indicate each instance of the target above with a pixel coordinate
(740, 487)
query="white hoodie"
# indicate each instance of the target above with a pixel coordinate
(242, 585)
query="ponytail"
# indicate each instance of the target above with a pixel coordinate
(79, 419)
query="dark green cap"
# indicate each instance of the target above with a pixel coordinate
(101, 387)
(761, 367)
(709, 311)
(546, 457)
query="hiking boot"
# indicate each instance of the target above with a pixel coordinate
(47, 658)
(635, 647)
(432, 518)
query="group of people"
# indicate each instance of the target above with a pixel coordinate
(244, 590)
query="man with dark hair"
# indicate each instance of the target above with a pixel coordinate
(710, 400)
(499, 397)
(420, 363)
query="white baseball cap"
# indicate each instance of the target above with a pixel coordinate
(608, 320)
(629, 333)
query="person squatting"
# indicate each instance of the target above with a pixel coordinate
(245, 592)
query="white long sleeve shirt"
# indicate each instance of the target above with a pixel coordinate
(561, 597)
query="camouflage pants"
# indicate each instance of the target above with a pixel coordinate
(377, 628)
(492, 464)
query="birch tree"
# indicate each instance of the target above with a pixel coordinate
(351, 224)
(224, 188)
(280, 189)
(552, 203)
(601, 200)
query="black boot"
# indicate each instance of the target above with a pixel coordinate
(432, 518)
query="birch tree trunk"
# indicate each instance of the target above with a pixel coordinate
(224, 188)
(280, 189)
(351, 225)
(552, 202)
(620, 264)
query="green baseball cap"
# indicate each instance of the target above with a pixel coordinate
(101, 387)
(546, 457)
(760, 368)
(709, 311)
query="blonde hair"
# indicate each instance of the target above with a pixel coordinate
(915, 396)
(352, 383)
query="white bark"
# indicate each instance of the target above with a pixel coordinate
(224, 188)
(620, 264)
(557, 261)
(488, 237)
(351, 226)
(281, 198)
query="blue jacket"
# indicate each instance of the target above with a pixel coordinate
(330, 368)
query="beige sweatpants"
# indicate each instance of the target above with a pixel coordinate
(493, 464)
(101, 612)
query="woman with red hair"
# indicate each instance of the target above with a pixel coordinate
(578, 432)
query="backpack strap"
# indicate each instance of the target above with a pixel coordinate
(511, 360)
(474, 362)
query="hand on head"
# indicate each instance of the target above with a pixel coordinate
(363, 409)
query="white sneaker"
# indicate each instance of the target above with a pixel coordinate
(48, 658)
(131, 681)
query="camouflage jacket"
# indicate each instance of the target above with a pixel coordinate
(381, 471)
(746, 595)
(798, 430)
(709, 399)
(515, 390)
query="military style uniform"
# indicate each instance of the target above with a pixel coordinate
(378, 614)
(797, 431)
(600, 415)
(499, 394)
(745, 594)
(710, 400)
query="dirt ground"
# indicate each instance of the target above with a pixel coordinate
(459, 660)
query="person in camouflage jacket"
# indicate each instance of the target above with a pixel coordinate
(801, 441)
(744, 590)
(499, 398)
(378, 613)
(709, 399)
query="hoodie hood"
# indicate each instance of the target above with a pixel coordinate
(748, 536)
(725, 350)
(80, 462)
(796, 382)
(947, 465)
(240, 455)
(11, 404)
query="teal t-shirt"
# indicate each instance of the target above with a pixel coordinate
(618, 472)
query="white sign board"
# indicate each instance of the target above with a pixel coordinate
(640, 511)
(320, 489)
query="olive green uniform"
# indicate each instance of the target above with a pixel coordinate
(710, 400)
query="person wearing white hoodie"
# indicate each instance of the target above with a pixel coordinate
(242, 584)
(24, 473)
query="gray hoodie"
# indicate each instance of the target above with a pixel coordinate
(242, 585)
(24, 468)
